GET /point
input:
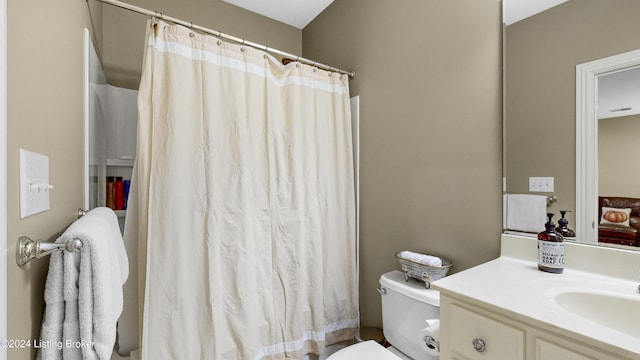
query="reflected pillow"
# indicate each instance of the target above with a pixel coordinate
(615, 216)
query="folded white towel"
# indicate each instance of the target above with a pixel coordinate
(421, 258)
(83, 292)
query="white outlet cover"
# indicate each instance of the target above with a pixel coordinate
(34, 183)
(541, 184)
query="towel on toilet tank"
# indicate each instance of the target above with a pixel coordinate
(421, 258)
(83, 291)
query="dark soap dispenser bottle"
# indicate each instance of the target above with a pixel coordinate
(550, 249)
(563, 227)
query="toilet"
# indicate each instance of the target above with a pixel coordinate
(406, 307)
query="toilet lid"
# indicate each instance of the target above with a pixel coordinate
(369, 350)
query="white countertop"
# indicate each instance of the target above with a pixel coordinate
(514, 286)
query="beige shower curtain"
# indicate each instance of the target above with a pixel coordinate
(243, 197)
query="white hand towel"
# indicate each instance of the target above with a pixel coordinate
(86, 287)
(421, 258)
(526, 212)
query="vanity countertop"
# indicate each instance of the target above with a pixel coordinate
(513, 286)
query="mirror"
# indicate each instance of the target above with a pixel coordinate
(541, 53)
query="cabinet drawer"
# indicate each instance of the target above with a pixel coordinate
(547, 351)
(475, 336)
(545, 348)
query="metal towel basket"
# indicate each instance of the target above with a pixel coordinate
(424, 273)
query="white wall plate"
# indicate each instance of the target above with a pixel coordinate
(541, 184)
(34, 183)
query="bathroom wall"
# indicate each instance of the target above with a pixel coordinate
(428, 73)
(429, 78)
(124, 32)
(45, 115)
(541, 54)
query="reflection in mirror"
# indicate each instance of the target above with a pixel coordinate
(541, 54)
(619, 133)
(607, 210)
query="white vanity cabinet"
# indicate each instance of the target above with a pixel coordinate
(478, 336)
(473, 332)
(506, 309)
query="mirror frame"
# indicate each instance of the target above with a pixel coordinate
(587, 138)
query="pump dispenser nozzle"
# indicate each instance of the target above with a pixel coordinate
(550, 222)
(563, 229)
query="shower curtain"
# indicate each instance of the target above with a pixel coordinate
(243, 201)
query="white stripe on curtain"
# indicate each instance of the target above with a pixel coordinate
(241, 65)
(296, 345)
(243, 200)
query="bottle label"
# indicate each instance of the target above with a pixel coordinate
(551, 254)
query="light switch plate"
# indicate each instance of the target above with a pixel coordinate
(34, 183)
(541, 184)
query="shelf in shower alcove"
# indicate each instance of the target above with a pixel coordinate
(120, 213)
(120, 162)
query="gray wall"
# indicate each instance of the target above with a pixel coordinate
(45, 115)
(541, 55)
(429, 76)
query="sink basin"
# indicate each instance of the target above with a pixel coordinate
(620, 312)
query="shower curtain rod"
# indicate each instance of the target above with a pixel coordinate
(217, 33)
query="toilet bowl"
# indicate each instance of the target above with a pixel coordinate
(406, 307)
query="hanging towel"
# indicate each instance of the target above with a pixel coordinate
(525, 212)
(83, 291)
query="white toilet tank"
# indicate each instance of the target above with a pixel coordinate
(405, 308)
